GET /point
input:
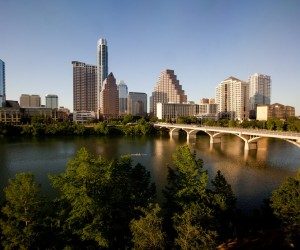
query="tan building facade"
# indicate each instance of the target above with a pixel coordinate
(232, 97)
(167, 90)
(109, 97)
(33, 101)
(274, 110)
(172, 111)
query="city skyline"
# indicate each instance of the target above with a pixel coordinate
(204, 42)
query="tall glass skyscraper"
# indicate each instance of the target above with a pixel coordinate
(102, 65)
(260, 90)
(2, 84)
(123, 92)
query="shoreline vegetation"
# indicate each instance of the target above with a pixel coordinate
(106, 204)
(132, 126)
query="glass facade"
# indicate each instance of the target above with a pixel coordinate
(102, 64)
(2, 84)
(123, 92)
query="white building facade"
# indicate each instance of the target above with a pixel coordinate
(232, 97)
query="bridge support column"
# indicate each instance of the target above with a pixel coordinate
(215, 139)
(173, 131)
(251, 145)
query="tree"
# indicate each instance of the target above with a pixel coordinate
(98, 198)
(22, 209)
(83, 188)
(190, 232)
(285, 203)
(147, 230)
(186, 188)
(187, 181)
(224, 206)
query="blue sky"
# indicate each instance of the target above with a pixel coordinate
(203, 41)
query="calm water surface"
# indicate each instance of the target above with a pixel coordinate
(253, 175)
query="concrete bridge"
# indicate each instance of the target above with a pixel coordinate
(249, 136)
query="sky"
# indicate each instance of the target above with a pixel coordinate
(203, 41)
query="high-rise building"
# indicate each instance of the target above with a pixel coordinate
(109, 97)
(32, 101)
(51, 101)
(123, 92)
(259, 91)
(102, 64)
(85, 90)
(167, 90)
(2, 84)
(232, 97)
(137, 103)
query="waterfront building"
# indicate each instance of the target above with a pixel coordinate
(275, 110)
(51, 101)
(137, 103)
(85, 90)
(172, 111)
(83, 116)
(2, 84)
(102, 65)
(33, 101)
(207, 110)
(167, 90)
(259, 91)
(28, 112)
(123, 93)
(232, 97)
(109, 98)
(10, 113)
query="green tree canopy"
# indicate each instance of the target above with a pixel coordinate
(21, 213)
(285, 202)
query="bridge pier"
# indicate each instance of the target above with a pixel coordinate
(215, 140)
(173, 131)
(250, 145)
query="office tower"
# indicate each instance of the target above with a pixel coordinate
(137, 103)
(232, 97)
(31, 101)
(167, 90)
(51, 101)
(259, 91)
(102, 64)
(85, 91)
(2, 84)
(109, 97)
(123, 92)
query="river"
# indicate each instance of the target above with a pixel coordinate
(253, 175)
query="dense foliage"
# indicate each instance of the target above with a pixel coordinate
(104, 204)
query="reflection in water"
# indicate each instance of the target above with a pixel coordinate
(252, 174)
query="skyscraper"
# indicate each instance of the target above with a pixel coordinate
(167, 90)
(137, 103)
(102, 64)
(123, 92)
(51, 101)
(109, 97)
(2, 84)
(259, 91)
(85, 91)
(32, 101)
(232, 97)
